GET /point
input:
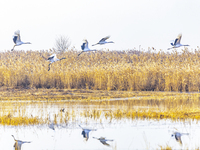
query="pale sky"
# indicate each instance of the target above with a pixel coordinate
(130, 23)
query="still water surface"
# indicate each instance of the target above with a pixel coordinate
(126, 133)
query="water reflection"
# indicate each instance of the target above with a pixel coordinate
(85, 132)
(62, 109)
(178, 136)
(18, 143)
(103, 140)
(51, 126)
(121, 133)
(126, 134)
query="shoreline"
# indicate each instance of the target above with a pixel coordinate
(82, 94)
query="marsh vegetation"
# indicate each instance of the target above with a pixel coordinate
(103, 70)
(104, 87)
(16, 110)
(95, 78)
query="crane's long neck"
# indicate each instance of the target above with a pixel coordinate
(26, 43)
(95, 44)
(62, 58)
(184, 133)
(91, 50)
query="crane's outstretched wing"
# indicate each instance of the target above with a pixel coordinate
(83, 46)
(178, 139)
(105, 38)
(52, 56)
(104, 143)
(16, 37)
(178, 39)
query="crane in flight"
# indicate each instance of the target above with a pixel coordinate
(85, 48)
(17, 40)
(53, 58)
(103, 41)
(176, 43)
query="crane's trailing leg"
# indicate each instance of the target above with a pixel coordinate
(13, 47)
(49, 66)
(80, 53)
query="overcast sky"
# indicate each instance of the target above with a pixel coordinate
(130, 23)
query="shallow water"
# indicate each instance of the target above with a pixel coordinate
(138, 134)
(126, 133)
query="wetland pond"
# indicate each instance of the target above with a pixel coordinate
(126, 133)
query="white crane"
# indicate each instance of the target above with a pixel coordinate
(103, 140)
(178, 136)
(177, 43)
(85, 48)
(18, 143)
(103, 41)
(52, 59)
(85, 132)
(17, 40)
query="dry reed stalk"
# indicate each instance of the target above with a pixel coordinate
(103, 70)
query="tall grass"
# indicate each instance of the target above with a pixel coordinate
(103, 70)
(180, 107)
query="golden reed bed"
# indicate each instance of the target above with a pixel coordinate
(102, 70)
(99, 75)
